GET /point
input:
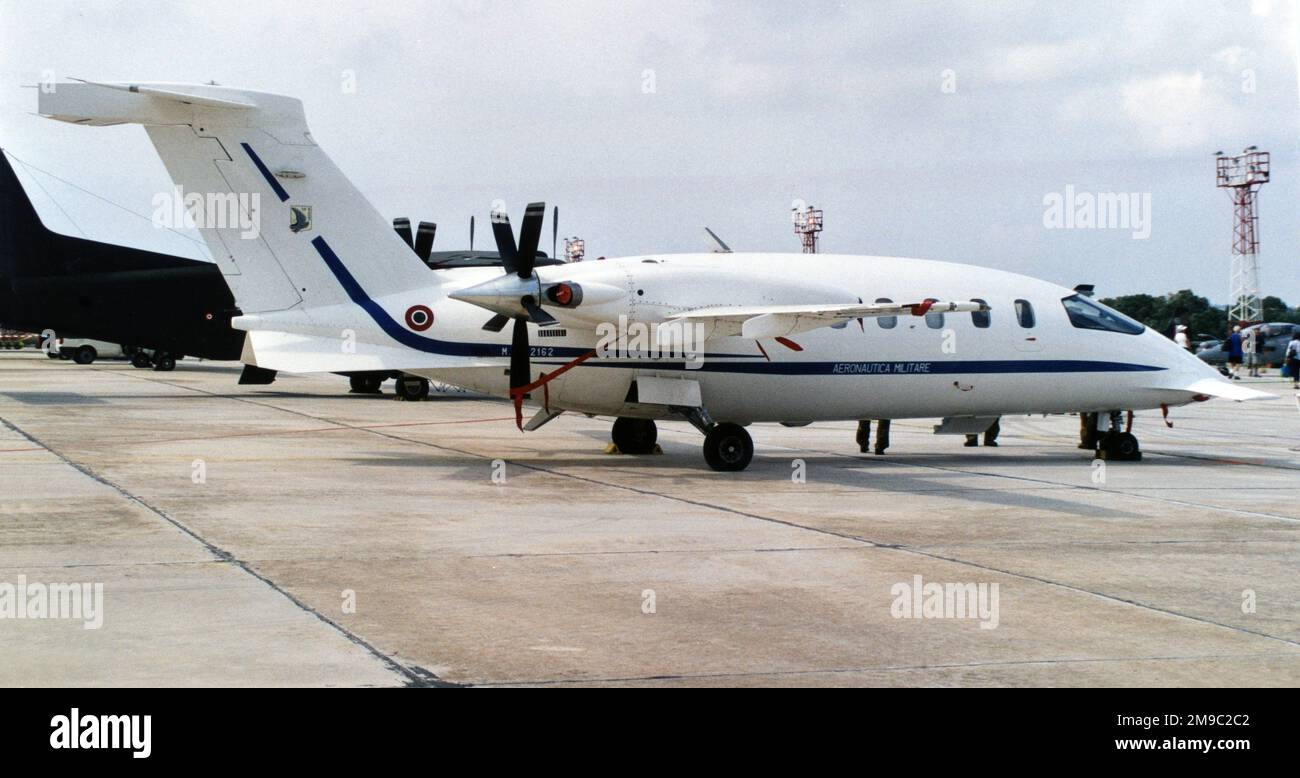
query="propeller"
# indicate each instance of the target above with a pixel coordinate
(519, 259)
(403, 228)
(422, 242)
(517, 295)
(555, 231)
(471, 233)
(424, 239)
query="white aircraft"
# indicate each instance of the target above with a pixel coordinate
(723, 340)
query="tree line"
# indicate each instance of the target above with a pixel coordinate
(1162, 313)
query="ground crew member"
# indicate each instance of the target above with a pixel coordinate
(1234, 353)
(864, 436)
(990, 435)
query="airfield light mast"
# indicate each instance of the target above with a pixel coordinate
(575, 249)
(807, 225)
(1243, 175)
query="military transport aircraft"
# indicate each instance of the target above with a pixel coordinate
(162, 305)
(722, 340)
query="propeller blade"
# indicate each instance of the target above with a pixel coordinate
(530, 234)
(496, 323)
(505, 238)
(520, 365)
(403, 228)
(424, 239)
(555, 231)
(537, 313)
(471, 233)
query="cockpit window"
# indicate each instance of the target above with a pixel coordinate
(1089, 315)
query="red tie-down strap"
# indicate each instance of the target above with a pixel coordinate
(921, 309)
(1164, 414)
(517, 395)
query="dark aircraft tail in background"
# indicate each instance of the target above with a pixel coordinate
(83, 288)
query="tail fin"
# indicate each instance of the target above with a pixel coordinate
(276, 213)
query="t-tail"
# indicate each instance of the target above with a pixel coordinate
(319, 275)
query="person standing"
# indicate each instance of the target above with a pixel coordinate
(990, 435)
(1234, 353)
(1249, 339)
(1180, 337)
(1261, 348)
(1088, 436)
(1293, 358)
(882, 436)
(864, 435)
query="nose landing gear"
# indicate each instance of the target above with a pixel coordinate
(1118, 444)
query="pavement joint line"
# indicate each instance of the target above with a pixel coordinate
(1115, 599)
(883, 668)
(415, 676)
(1048, 484)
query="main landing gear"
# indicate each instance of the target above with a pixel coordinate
(158, 360)
(727, 447)
(412, 388)
(366, 383)
(634, 436)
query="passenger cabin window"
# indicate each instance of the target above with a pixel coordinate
(1025, 314)
(886, 322)
(1089, 315)
(934, 321)
(981, 319)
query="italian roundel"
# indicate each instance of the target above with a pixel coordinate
(419, 317)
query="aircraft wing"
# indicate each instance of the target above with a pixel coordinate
(770, 321)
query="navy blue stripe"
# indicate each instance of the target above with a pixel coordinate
(270, 179)
(394, 330)
(954, 367)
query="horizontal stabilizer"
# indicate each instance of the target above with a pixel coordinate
(294, 353)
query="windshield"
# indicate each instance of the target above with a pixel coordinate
(1089, 315)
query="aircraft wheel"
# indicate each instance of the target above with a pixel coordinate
(634, 436)
(1121, 447)
(728, 448)
(141, 359)
(412, 388)
(84, 355)
(365, 384)
(164, 363)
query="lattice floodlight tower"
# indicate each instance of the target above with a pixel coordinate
(1242, 176)
(807, 225)
(575, 249)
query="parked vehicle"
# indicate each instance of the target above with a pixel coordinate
(1215, 352)
(84, 351)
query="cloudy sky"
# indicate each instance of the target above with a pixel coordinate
(929, 129)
